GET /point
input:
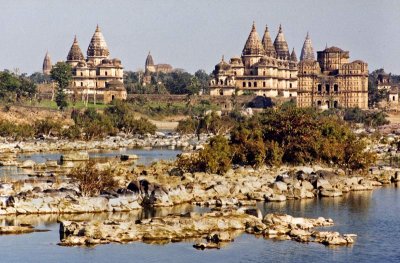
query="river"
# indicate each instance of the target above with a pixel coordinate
(373, 216)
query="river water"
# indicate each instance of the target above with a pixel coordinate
(373, 216)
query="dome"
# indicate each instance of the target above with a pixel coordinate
(106, 61)
(281, 45)
(75, 53)
(98, 46)
(222, 66)
(236, 61)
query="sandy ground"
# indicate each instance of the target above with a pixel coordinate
(28, 115)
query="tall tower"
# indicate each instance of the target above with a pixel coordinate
(97, 50)
(149, 64)
(47, 64)
(75, 54)
(307, 52)
(253, 49)
(281, 45)
(268, 45)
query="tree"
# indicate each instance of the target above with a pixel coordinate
(61, 73)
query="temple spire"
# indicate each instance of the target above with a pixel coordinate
(253, 44)
(293, 56)
(307, 52)
(281, 45)
(267, 44)
(47, 64)
(75, 53)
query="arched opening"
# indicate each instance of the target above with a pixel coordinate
(327, 88)
(81, 84)
(290, 85)
(264, 84)
(328, 103)
(319, 87)
(336, 88)
(244, 84)
(255, 84)
(113, 97)
(249, 84)
(81, 73)
(394, 98)
(106, 73)
(221, 92)
(221, 82)
(319, 103)
(264, 72)
(335, 104)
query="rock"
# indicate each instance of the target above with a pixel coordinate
(126, 157)
(218, 237)
(75, 156)
(276, 198)
(279, 187)
(330, 193)
(28, 164)
(203, 246)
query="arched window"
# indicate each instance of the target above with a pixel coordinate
(335, 104)
(244, 84)
(255, 84)
(264, 72)
(319, 88)
(106, 73)
(336, 88)
(264, 84)
(394, 98)
(327, 88)
(81, 84)
(221, 92)
(290, 85)
(319, 103)
(221, 82)
(249, 84)
(81, 73)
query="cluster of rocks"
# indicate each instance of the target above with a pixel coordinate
(208, 230)
(164, 185)
(112, 142)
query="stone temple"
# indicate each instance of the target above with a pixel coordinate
(97, 73)
(268, 69)
(265, 68)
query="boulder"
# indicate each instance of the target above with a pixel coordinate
(28, 164)
(330, 193)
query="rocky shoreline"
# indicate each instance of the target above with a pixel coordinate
(208, 230)
(122, 140)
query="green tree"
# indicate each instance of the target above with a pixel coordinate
(61, 73)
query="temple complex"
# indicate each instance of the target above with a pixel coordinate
(151, 68)
(97, 74)
(265, 68)
(331, 81)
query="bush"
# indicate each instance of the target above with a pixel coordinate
(286, 135)
(92, 180)
(47, 127)
(216, 157)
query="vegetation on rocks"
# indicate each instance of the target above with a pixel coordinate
(92, 180)
(286, 135)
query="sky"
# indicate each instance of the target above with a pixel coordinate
(194, 34)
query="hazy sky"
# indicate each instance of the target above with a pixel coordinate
(194, 34)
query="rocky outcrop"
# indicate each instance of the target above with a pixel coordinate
(213, 229)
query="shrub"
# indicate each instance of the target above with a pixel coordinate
(47, 127)
(216, 157)
(92, 180)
